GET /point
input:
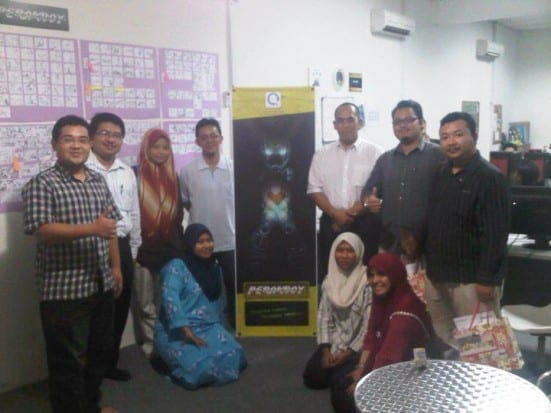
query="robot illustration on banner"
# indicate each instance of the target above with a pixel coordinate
(276, 246)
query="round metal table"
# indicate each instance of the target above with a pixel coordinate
(445, 387)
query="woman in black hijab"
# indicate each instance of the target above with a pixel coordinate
(189, 335)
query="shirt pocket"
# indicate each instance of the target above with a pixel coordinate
(125, 200)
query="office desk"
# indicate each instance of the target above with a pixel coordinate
(528, 279)
(447, 386)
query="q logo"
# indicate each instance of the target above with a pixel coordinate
(272, 100)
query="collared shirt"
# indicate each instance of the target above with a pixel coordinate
(403, 182)
(340, 173)
(210, 194)
(343, 328)
(122, 183)
(69, 270)
(468, 225)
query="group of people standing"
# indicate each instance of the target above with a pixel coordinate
(434, 222)
(419, 227)
(108, 232)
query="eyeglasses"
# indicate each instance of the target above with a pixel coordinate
(104, 133)
(211, 136)
(70, 140)
(405, 121)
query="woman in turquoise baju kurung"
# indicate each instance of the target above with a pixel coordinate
(189, 336)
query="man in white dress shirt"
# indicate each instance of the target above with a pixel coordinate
(107, 133)
(207, 190)
(337, 174)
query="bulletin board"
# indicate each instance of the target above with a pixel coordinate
(43, 78)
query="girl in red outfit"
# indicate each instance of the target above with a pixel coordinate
(391, 335)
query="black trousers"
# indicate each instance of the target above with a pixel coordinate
(366, 226)
(317, 377)
(226, 259)
(78, 335)
(122, 303)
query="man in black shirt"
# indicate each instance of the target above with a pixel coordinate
(467, 228)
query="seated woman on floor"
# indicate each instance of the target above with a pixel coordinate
(189, 336)
(398, 323)
(342, 313)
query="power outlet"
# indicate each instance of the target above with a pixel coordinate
(314, 76)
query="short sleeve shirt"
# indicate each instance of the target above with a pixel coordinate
(76, 269)
(340, 173)
(211, 195)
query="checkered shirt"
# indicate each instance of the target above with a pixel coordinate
(68, 271)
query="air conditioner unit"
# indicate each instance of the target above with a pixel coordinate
(487, 49)
(386, 22)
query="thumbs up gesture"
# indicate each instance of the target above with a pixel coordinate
(105, 226)
(373, 202)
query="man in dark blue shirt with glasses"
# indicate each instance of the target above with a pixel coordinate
(398, 186)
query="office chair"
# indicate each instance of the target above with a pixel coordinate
(541, 380)
(532, 320)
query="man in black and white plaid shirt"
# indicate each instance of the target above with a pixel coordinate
(71, 211)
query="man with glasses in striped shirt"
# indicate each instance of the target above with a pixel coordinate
(107, 132)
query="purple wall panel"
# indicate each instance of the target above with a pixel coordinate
(120, 78)
(189, 84)
(43, 78)
(40, 78)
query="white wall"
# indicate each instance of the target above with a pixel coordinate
(532, 99)
(437, 65)
(21, 343)
(272, 44)
(442, 73)
(506, 72)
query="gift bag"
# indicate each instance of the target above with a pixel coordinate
(417, 277)
(487, 339)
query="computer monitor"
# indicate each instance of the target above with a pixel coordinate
(532, 168)
(531, 214)
(507, 163)
(543, 161)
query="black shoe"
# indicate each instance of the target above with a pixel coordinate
(118, 374)
(159, 365)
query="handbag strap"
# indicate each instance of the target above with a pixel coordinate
(476, 311)
(406, 313)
